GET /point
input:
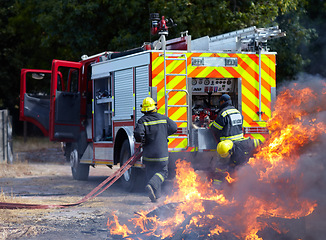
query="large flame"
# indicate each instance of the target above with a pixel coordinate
(270, 185)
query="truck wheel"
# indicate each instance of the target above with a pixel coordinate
(79, 171)
(130, 178)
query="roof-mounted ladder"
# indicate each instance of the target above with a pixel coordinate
(247, 39)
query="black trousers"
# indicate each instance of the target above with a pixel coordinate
(156, 173)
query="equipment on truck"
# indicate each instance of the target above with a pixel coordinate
(92, 105)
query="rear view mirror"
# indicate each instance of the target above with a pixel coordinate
(38, 76)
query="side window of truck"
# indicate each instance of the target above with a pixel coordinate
(37, 84)
(73, 80)
(67, 79)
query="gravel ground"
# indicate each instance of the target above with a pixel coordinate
(43, 177)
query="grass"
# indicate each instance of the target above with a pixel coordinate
(22, 222)
(12, 221)
(4, 197)
(33, 143)
(18, 223)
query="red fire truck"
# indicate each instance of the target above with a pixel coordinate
(92, 106)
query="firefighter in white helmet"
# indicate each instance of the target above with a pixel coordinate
(153, 129)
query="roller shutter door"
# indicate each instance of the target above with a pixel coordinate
(123, 94)
(142, 88)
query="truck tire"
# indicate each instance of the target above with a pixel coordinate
(79, 171)
(130, 179)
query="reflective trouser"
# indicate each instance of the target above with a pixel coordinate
(156, 173)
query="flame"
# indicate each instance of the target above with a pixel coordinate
(229, 178)
(269, 186)
(291, 128)
(116, 228)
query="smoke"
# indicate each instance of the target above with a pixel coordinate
(271, 201)
(291, 188)
(312, 164)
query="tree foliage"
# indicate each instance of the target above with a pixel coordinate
(33, 32)
(316, 50)
(290, 57)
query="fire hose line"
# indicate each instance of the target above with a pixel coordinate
(94, 193)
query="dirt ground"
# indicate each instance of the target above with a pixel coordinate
(44, 177)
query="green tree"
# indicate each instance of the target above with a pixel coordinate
(316, 51)
(7, 48)
(210, 17)
(33, 32)
(289, 58)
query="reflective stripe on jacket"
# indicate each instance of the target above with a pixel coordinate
(154, 128)
(228, 123)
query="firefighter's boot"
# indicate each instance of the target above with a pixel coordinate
(155, 182)
(151, 193)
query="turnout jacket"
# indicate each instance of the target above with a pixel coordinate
(243, 150)
(228, 123)
(153, 129)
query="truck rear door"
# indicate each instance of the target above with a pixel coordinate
(65, 102)
(35, 98)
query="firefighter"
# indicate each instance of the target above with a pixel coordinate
(153, 129)
(238, 152)
(232, 154)
(228, 123)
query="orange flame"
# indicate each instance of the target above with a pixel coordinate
(268, 186)
(291, 129)
(229, 178)
(116, 228)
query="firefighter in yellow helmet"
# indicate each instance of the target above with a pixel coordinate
(232, 154)
(153, 129)
(238, 152)
(148, 105)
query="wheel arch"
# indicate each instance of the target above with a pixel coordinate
(123, 134)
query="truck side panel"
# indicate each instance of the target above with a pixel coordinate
(127, 81)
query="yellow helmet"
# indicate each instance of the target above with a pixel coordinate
(224, 147)
(148, 105)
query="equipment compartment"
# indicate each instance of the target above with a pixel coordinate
(102, 109)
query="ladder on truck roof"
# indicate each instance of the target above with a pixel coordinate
(248, 39)
(177, 57)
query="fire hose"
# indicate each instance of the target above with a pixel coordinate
(94, 193)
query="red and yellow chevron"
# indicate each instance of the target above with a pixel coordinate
(247, 70)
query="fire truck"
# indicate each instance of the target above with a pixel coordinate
(92, 106)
